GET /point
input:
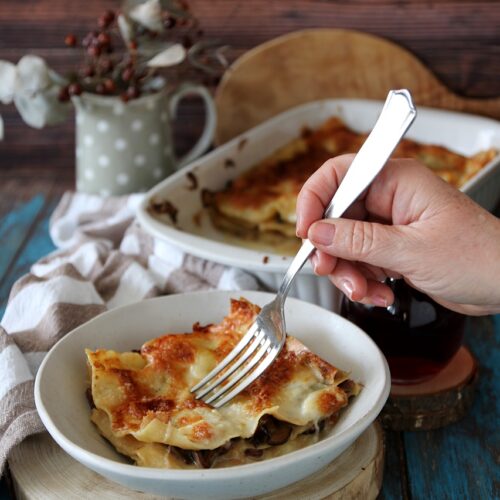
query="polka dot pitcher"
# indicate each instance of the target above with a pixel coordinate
(127, 147)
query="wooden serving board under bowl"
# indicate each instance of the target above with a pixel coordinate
(42, 470)
(316, 64)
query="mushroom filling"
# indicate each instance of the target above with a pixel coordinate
(201, 458)
(270, 431)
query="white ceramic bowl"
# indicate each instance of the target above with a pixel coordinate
(465, 134)
(62, 380)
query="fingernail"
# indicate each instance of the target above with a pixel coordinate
(297, 225)
(322, 233)
(347, 287)
(380, 301)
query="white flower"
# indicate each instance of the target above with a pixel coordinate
(32, 75)
(34, 89)
(148, 14)
(8, 76)
(171, 56)
(42, 108)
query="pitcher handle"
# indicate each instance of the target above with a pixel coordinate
(206, 137)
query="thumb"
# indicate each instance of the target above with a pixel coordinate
(376, 244)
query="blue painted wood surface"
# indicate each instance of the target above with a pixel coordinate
(461, 460)
(14, 229)
(39, 244)
(395, 484)
(457, 462)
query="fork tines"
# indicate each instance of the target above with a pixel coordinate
(241, 361)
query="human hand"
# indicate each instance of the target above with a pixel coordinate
(408, 224)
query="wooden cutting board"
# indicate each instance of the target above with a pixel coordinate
(314, 64)
(42, 470)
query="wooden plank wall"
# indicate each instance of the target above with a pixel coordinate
(458, 40)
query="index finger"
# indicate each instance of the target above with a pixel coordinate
(318, 190)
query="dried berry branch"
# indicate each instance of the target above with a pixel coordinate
(148, 46)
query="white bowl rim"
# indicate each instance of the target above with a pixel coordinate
(99, 462)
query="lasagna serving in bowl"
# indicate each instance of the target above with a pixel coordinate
(142, 403)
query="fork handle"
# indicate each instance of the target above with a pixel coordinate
(395, 118)
(306, 249)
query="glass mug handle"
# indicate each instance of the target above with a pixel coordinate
(206, 137)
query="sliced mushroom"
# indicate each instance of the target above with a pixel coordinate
(279, 432)
(185, 455)
(271, 431)
(202, 458)
(347, 386)
(253, 452)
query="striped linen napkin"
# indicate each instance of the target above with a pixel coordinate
(104, 260)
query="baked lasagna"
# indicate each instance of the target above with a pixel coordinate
(142, 404)
(260, 204)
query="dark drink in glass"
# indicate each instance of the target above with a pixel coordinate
(417, 335)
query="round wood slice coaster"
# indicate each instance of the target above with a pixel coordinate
(41, 469)
(434, 403)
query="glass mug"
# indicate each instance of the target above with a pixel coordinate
(417, 335)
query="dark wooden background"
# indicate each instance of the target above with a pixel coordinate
(458, 40)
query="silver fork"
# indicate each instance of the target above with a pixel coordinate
(260, 346)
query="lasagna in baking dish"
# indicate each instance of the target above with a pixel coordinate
(260, 204)
(141, 400)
